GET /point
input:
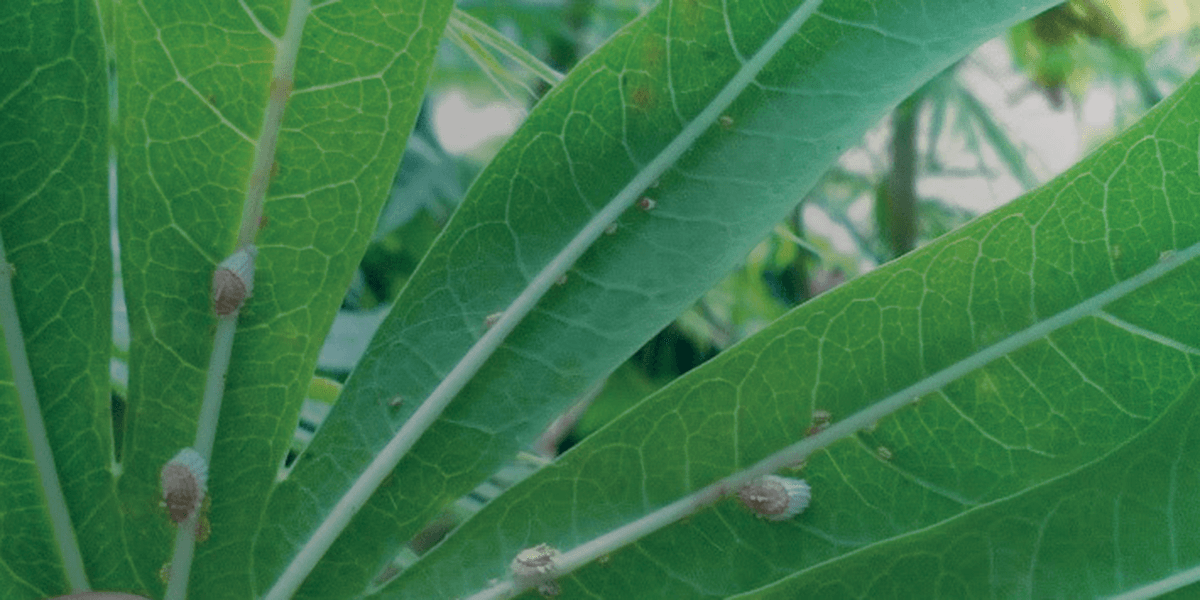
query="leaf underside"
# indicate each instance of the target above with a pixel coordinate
(54, 220)
(917, 505)
(194, 83)
(586, 140)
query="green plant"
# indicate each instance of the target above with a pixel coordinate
(1010, 405)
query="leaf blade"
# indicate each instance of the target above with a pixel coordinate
(194, 115)
(1034, 415)
(584, 144)
(54, 216)
(1055, 537)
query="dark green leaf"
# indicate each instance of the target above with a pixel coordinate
(54, 218)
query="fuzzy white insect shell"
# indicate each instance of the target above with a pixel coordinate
(776, 498)
(534, 566)
(184, 482)
(233, 281)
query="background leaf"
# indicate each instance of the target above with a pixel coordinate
(195, 81)
(1035, 415)
(1118, 523)
(586, 140)
(54, 217)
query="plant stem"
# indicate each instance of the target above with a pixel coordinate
(631, 532)
(206, 435)
(1162, 586)
(282, 77)
(488, 64)
(35, 428)
(470, 27)
(359, 493)
(901, 183)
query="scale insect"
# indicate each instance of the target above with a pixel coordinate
(775, 498)
(233, 281)
(184, 481)
(537, 567)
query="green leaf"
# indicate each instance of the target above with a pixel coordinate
(1061, 402)
(590, 140)
(1118, 523)
(195, 82)
(56, 230)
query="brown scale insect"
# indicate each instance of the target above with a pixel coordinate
(184, 481)
(233, 281)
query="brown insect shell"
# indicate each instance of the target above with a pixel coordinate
(775, 498)
(233, 281)
(184, 481)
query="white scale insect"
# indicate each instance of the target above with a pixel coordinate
(776, 498)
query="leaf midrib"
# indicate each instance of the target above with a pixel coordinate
(404, 439)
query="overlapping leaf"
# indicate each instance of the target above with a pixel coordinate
(589, 138)
(54, 217)
(1060, 403)
(1121, 522)
(195, 79)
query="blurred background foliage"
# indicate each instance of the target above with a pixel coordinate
(1002, 121)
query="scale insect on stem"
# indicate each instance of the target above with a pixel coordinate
(775, 498)
(184, 481)
(233, 281)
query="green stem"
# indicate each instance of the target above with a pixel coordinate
(901, 184)
(35, 428)
(1161, 587)
(487, 64)
(470, 27)
(206, 435)
(282, 79)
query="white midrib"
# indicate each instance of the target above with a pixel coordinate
(383, 464)
(35, 430)
(631, 532)
(287, 48)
